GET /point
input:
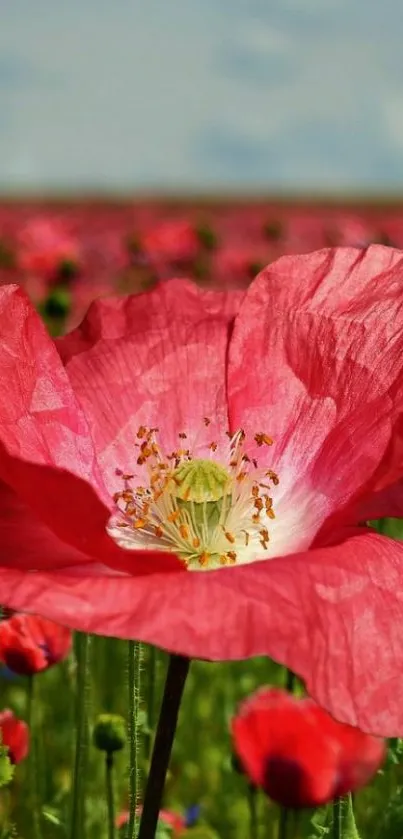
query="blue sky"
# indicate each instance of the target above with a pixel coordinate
(203, 95)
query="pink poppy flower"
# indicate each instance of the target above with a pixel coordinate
(45, 247)
(351, 231)
(235, 267)
(298, 753)
(173, 241)
(248, 548)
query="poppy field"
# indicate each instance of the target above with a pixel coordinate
(201, 552)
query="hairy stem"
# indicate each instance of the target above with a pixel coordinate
(81, 747)
(110, 795)
(32, 767)
(151, 685)
(253, 819)
(178, 669)
(336, 827)
(134, 674)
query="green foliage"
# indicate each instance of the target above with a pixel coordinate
(6, 768)
(348, 825)
(200, 771)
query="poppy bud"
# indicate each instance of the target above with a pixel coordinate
(207, 237)
(273, 230)
(109, 733)
(58, 303)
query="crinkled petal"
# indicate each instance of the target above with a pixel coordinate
(26, 542)
(155, 359)
(46, 453)
(332, 615)
(321, 339)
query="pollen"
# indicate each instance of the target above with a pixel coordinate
(212, 512)
(263, 439)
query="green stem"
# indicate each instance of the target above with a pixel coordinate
(253, 819)
(283, 823)
(134, 669)
(290, 682)
(151, 684)
(178, 669)
(336, 830)
(110, 796)
(32, 768)
(80, 759)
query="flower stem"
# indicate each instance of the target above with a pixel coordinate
(336, 831)
(283, 823)
(284, 813)
(109, 795)
(151, 684)
(134, 668)
(178, 669)
(81, 711)
(253, 820)
(32, 768)
(290, 681)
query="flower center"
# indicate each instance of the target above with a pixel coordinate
(209, 514)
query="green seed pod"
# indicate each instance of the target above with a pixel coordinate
(109, 734)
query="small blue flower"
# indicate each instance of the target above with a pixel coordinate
(192, 814)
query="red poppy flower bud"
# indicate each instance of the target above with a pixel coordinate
(14, 735)
(298, 753)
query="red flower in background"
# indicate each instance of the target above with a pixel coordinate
(188, 468)
(298, 753)
(45, 247)
(29, 644)
(172, 241)
(14, 735)
(176, 822)
(351, 232)
(235, 267)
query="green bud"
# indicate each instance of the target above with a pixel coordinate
(273, 230)
(7, 255)
(207, 237)
(109, 734)
(68, 269)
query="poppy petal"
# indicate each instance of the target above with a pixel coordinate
(332, 615)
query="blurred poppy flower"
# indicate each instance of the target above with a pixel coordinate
(188, 468)
(167, 818)
(14, 735)
(29, 644)
(298, 753)
(235, 267)
(349, 231)
(173, 242)
(47, 251)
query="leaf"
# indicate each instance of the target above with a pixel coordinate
(348, 825)
(319, 824)
(391, 826)
(201, 832)
(6, 768)
(53, 817)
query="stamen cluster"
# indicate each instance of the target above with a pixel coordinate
(210, 514)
